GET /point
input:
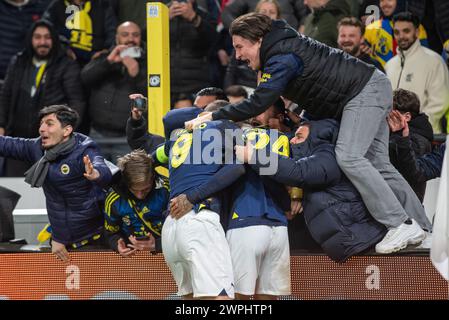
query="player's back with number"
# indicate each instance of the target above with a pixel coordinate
(196, 156)
(259, 196)
(197, 172)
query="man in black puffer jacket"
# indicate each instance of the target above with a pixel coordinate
(39, 76)
(333, 209)
(329, 83)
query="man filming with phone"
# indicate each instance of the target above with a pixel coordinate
(111, 78)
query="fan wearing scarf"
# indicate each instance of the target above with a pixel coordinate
(71, 171)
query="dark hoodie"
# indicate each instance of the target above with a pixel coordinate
(421, 137)
(60, 84)
(321, 24)
(333, 209)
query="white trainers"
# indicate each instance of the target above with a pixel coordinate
(427, 242)
(398, 238)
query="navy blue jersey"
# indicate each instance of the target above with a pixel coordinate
(201, 162)
(129, 216)
(196, 156)
(266, 141)
(253, 201)
(175, 119)
(253, 205)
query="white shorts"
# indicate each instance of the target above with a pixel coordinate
(261, 259)
(196, 250)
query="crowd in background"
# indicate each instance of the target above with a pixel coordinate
(77, 58)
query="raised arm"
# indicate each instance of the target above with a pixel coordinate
(95, 168)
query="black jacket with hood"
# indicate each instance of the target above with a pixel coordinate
(60, 84)
(421, 137)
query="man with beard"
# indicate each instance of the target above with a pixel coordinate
(350, 39)
(112, 77)
(419, 70)
(39, 76)
(379, 34)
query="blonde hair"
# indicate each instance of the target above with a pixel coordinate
(136, 166)
(274, 2)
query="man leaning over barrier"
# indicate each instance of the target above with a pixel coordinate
(71, 171)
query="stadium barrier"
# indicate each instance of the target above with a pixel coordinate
(106, 275)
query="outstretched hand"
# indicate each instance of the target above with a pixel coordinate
(207, 116)
(91, 173)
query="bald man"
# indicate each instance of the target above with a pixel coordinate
(111, 78)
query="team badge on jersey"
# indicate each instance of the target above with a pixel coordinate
(126, 220)
(65, 169)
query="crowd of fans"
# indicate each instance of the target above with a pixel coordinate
(91, 56)
(80, 63)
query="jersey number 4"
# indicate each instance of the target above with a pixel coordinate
(261, 139)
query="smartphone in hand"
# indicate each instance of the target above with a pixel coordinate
(132, 52)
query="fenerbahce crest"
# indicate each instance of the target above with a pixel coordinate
(65, 169)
